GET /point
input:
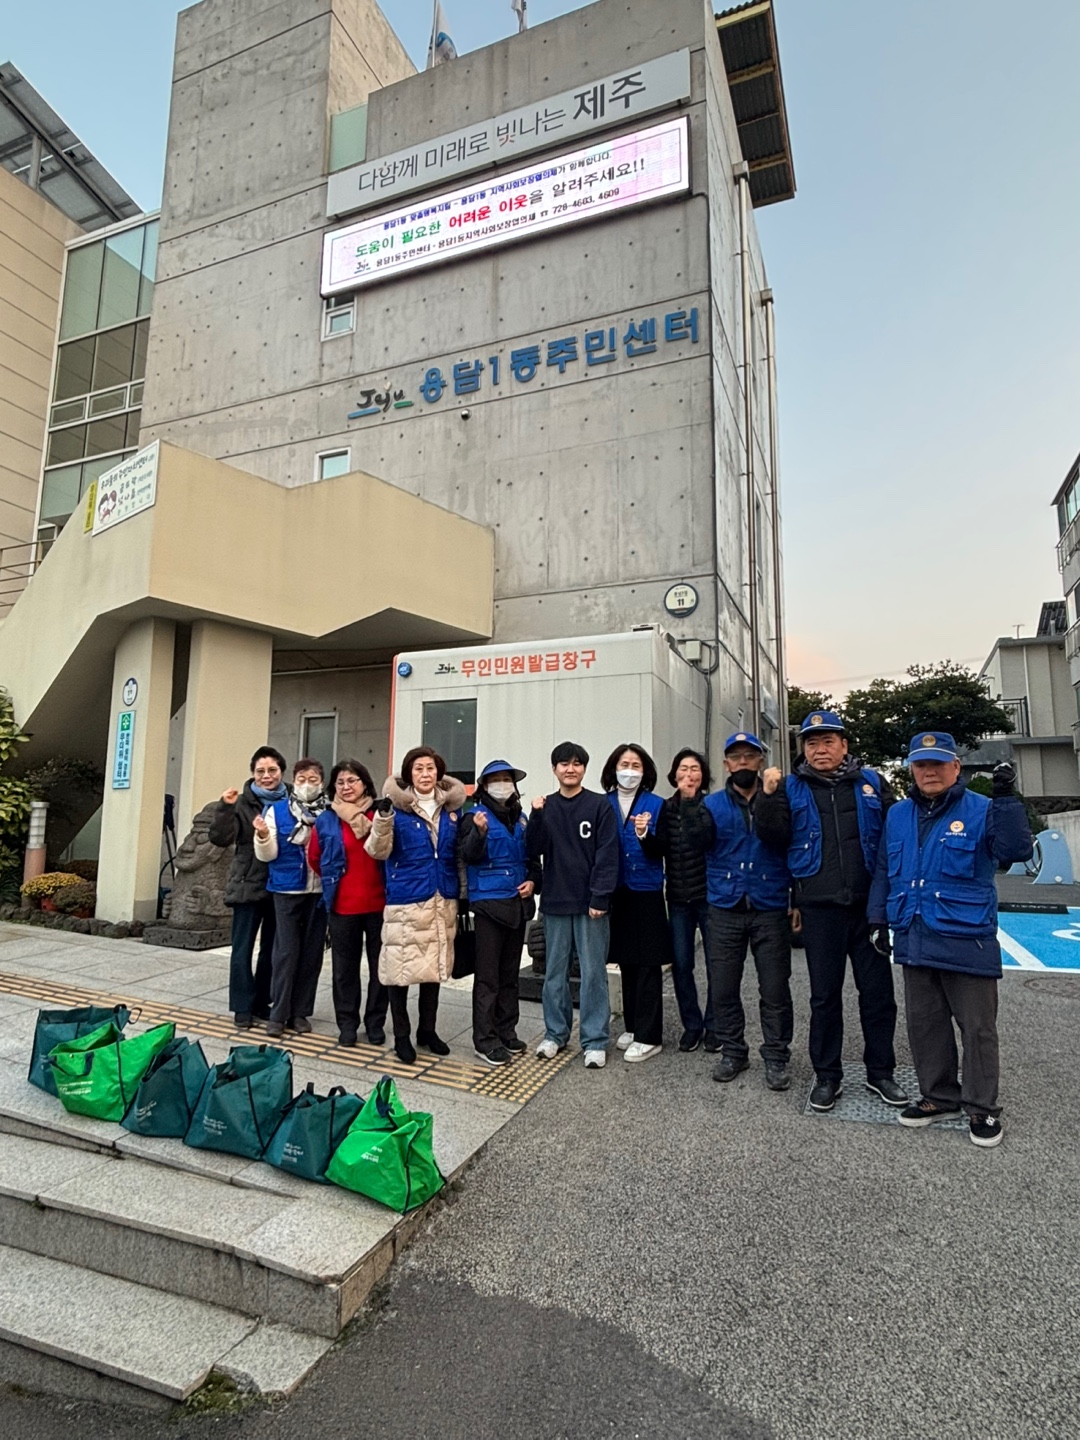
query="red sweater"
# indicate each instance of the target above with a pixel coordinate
(361, 890)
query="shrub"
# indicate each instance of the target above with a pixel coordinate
(75, 899)
(48, 884)
(85, 869)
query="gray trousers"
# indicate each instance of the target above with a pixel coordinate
(933, 1000)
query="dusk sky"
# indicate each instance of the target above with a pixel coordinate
(928, 302)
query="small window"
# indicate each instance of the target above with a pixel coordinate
(330, 463)
(339, 316)
(318, 739)
(449, 726)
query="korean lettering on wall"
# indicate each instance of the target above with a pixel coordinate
(548, 662)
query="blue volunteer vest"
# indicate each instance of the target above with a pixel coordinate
(804, 853)
(738, 864)
(503, 871)
(413, 871)
(949, 879)
(636, 870)
(289, 870)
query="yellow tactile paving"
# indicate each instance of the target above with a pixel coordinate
(517, 1082)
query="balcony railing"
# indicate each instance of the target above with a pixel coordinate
(17, 564)
(1072, 641)
(1018, 713)
(1076, 736)
(1069, 543)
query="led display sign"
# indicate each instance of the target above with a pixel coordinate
(605, 177)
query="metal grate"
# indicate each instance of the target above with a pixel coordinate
(858, 1103)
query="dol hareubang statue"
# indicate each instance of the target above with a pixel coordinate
(195, 917)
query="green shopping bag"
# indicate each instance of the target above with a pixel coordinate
(56, 1026)
(242, 1101)
(388, 1153)
(101, 1078)
(311, 1130)
(169, 1091)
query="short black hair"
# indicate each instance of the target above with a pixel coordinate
(608, 779)
(309, 763)
(416, 753)
(354, 768)
(688, 753)
(267, 752)
(569, 750)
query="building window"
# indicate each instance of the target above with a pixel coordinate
(339, 316)
(318, 739)
(330, 463)
(449, 726)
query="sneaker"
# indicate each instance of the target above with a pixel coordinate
(595, 1059)
(403, 1049)
(777, 1076)
(496, 1056)
(889, 1090)
(640, 1051)
(275, 1029)
(376, 1037)
(712, 1042)
(984, 1130)
(548, 1049)
(347, 1039)
(728, 1068)
(301, 1025)
(625, 1040)
(515, 1046)
(242, 1022)
(689, 1040)
(430, 1041)
(825, 1095)
(925, 1112)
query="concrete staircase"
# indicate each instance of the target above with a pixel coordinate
(131, 1269)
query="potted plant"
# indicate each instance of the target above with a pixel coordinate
(43, 888)
(78, 900)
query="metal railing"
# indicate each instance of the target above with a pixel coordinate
(1018, 713)
(1072, 641)
(1069, 543)
(17, 565)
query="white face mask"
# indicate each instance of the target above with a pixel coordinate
(306, 793)
(628, 779)
(501, 789)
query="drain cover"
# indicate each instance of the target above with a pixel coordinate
(1061, 985)
(858, 1103)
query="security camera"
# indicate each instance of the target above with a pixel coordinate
(465, 414)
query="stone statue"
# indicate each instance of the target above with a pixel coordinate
(194, 913)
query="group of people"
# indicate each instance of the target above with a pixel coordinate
(626, 877)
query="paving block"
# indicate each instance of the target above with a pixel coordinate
(273, 1359)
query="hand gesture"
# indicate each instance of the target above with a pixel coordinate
(641, 824)
(261, 828)
(231, 795)
(881, 940)
(1004, 779)
(596, 914)
(384, 805)
(526, 889)
(688, 785)
(538, 803)
(479, 819)
(770, 780)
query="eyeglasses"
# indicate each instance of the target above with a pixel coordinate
(346, 782)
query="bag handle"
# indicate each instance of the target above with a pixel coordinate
(254, 1117)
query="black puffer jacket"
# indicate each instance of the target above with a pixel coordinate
(685, 832)
(232, 825)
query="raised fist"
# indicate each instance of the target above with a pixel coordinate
(538, 803)
(1004, 778)
(479, 819)
(231, 795)
(384, 805)
(771, 779)
(259, 825)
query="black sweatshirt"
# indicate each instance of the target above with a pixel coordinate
(578, 841)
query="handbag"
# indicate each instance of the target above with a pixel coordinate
(388, 1153)
(311, 1129)
(99, 1074)
(169, 1091)
(242, 1101)
(464, 948)
(55, 1026)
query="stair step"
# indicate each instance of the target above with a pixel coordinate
(78, 1330)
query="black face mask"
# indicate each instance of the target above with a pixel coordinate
(744, 779)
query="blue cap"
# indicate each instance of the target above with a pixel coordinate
(743, 737)
(822, 722)
(931, 745)
(494, 766)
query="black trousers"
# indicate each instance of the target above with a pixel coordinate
(933, 999)
(348, 936)
(831, 933)
(495, 983)
(643, 1002)
(428, 1008)
(249, 994)
(768, 935)
(298, 956)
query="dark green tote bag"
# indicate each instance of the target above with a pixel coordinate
(242, 1101)
(55, 1026)
(311, 1130)
(388, 1154)
(100, 1080)
(169, 1091)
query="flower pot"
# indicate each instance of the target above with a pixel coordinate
(48, 903)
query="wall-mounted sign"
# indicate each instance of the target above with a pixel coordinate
(681, 599)
(548, 662)
(597, 104)
(125, 734)
(130, 692)
(126, 489)
(581, 185)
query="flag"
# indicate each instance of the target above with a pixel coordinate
(519, 7)
(442, 47)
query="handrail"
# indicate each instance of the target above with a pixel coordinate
(1069, 543)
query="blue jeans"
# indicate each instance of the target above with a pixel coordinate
(686, 921)
(590, 937)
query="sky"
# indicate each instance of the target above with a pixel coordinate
(927, 292)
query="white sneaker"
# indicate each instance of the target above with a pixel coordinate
(638, 1051)
(624, 1041)
(547, 1049)
(595, 1059)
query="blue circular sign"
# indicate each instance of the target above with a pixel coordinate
(404, 669)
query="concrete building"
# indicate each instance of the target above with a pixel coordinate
(523, 290)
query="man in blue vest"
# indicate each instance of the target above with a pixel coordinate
(747, 886)
(934, 885)
(829, 813)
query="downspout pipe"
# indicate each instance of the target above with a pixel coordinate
(774, 514)
(742, 181)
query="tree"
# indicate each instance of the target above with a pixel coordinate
(799, 704)
(882, 718)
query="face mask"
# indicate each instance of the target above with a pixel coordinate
(501, 789)
(744, 779)
(306, 793)
(628, 779)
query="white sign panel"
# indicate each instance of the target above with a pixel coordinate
(596, 105)
(126, 489)
(608, 176)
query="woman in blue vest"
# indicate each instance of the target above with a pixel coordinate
(640, 937)
(502, 881)
(415, 833)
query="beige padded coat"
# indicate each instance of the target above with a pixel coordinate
(417, 939)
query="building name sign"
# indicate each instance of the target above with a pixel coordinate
(548, 662)
(595, 106)
(600, 180)
(126, 489)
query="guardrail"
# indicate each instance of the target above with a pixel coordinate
(1072, 641)
(17, 565)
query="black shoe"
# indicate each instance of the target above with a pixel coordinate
(347, 1039)
(430, 1041)
(729, 1068)
(376, 1037)
(689, 1040)
(495, 1056)
(274, 1029)
(242, 1022)
(515, 1046)
(825, 1094)
(925, 1112)
(301, 1026)
(889, 1090)
(712, 1042)
(777, 1075)
(404, 1051)
(984, 1130)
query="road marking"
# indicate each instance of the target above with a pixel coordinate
(1024, 958)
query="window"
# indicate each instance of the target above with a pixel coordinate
(339, 316)
(759, 549)
(318, 739)
(109, 281)
(330, 463)
(449, 726)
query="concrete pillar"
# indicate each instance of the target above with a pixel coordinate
(131, 815)
(226, 715)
